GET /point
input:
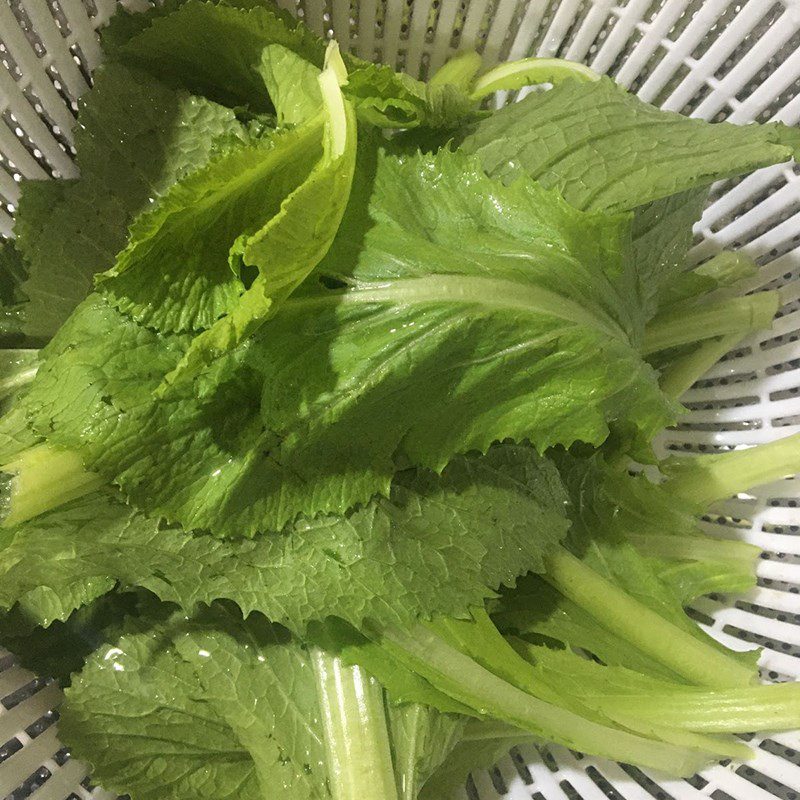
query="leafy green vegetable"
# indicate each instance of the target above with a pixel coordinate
(681, 370)
(610, 513)
(243, 711)
(700, 482)
(422, 739)
(472, 684)
(482, 334)
(714, 279)
(282, 250)
(667, 636)
(425, 550)
(738, 315)
(535, 611)
(135, 138)
(253, 207)
(215, 50)
(54, 564)
(459, 71)
(44, 478)
(390, 99)
(603, 148)
(292, 83)
(356, 732)
(213, 708)
(15, 435)
(514, 75)
(662, 235)
(318, 365)
(634, 700)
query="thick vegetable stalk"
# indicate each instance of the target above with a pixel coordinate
(702, 481)
(481, 640)
(356, 735)
(737, 315)
(768, 707)
(663, 707)
(467, 681)
(694, 548)
(623, 615)
(680, 375)
(45, 478)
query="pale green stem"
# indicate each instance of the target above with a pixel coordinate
(489, 695)
(755, 708)
(529, 71)
(728, 267)
(738, 315)
(458, 71)
(45, 478)
(680, 375)
(357, 747)
(634, 622)
(693, 548)
(481, 640)
(478, 730)
(702, 480)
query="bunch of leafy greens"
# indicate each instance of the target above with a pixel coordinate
(316, 433)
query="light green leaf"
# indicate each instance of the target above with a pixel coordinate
(211, 708)
(292, 83)
(288, 247)
(603, 148)
(215, 50)
(125, 24)
(461, 322)
(135, 137)
(180, 270)
(273, 206)
(662, 236)
(48, 561)
(426, 550)
(390, 99)
(16, 434)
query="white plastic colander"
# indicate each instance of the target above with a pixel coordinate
(713, 59)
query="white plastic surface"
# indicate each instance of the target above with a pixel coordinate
(714, 59)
